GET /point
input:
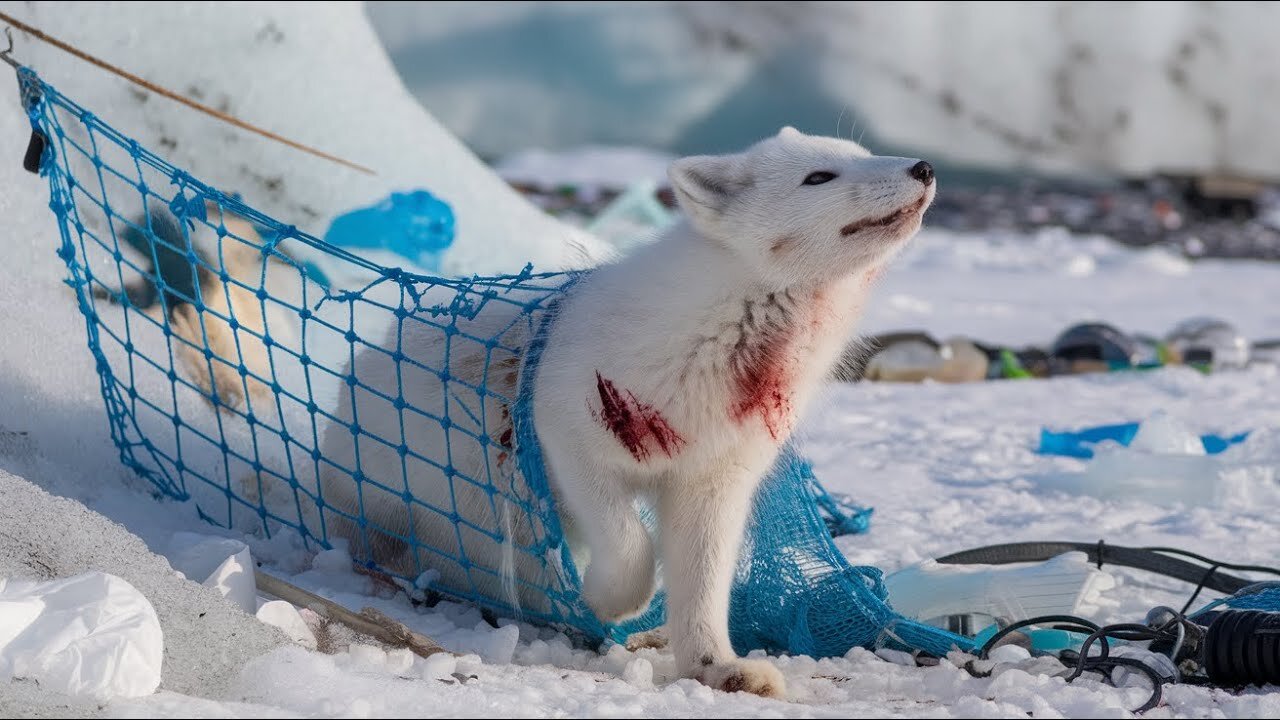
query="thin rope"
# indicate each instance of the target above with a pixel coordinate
(224, 117)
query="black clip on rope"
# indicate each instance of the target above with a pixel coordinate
(35, 151)
(35, 146)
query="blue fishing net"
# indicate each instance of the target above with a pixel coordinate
(226, 364)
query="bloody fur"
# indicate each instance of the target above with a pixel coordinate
(637, 425)
(761, 376)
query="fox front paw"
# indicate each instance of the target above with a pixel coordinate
(752, 676)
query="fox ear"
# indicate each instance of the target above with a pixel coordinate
(790, 133)
(707, 183)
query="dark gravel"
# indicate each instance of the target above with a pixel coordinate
(1162, 211)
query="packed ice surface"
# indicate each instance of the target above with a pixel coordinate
(1132, 88)
(947, 467)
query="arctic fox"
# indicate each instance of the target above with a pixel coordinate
(227, 331)
(673, 375)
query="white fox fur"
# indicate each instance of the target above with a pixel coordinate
(674, 375)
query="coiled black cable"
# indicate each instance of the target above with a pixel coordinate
(1104, 663)
(1240, 647)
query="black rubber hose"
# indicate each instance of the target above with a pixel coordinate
(1099, 554)
(1242, 647)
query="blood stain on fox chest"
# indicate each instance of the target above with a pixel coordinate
(640, 427)
(761, 369)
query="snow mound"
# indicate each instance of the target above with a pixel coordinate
(286, 617)
(89, 635)
(1162, 434)
(223, 564)
(319, 58)
(226, 565)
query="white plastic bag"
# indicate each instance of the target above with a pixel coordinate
(89, 635)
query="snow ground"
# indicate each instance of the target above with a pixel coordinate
(947, 468)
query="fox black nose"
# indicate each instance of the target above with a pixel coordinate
(922, 171)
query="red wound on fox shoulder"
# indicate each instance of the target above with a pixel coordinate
(761, 380)
(640, 428)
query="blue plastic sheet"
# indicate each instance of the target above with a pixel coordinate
(416, 226)
(1080, 443)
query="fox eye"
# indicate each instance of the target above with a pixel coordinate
(820, 177)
